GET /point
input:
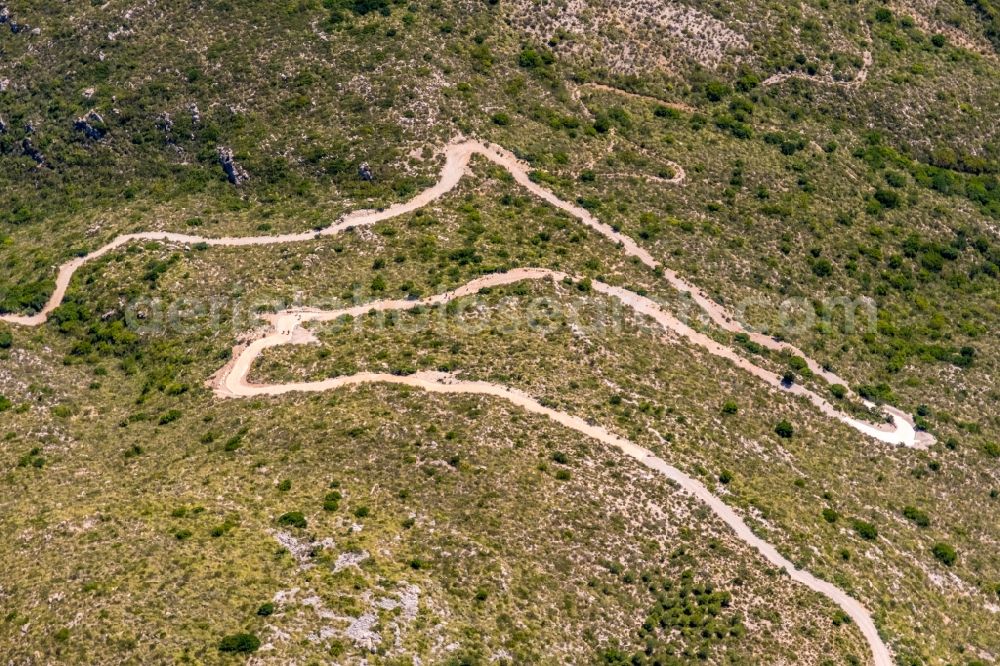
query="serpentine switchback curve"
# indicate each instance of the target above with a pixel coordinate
(457, 157)
(231, 380)
(286, 328)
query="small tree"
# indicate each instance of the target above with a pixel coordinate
(784, 429)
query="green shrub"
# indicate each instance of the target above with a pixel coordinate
(170, 416)
(331, 502)
(839, 391)
(840, 617)
(830, 515)
(730, 407)
(5, 403)
(946, 554)
(822, 267)
(239, 643)
(725, 477)
(865, 530)
(887, 198)
(6, 339)
(530, 58)
(292, 519)
(784, 429)
(917, 516)
(285, 486)
(266, 609)
(716, 90)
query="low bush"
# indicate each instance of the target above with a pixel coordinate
(945, 553)
(917, 516)
(239, 643)
(784, 429)
(865, 530)
(292, 519)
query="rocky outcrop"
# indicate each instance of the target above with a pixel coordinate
(237, 175)
(195, 114)
(365, 172)
(3, 126)
(92, 125)
(165, 122)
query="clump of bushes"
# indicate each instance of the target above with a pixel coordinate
(331, 501)
(239, 643)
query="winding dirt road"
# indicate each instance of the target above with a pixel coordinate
(286, 328)
(231, 382)
(457, 157)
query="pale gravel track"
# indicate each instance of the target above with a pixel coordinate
(457, 156)
(286, 328)
(231, 380)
